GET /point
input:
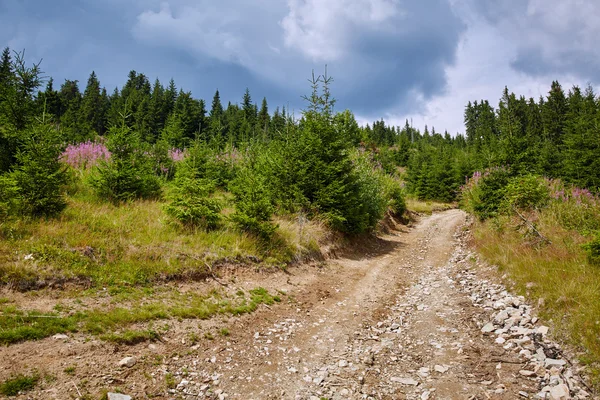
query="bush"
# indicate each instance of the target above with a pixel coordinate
(253, 201)
(8, 196)
(395, 196)
(189, 197)
(484, 194)
(592, 250)
(39, 175)
(526, 192)
(366, 203)
(128, 174)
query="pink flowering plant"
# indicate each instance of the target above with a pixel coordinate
(85, 155)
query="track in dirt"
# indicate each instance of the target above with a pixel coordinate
(392, 324)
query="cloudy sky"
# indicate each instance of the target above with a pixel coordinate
(391, 59)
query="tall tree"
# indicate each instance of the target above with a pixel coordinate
(92, 110)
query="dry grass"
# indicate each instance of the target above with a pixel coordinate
(426, 207)
(558, 273)
(100, 244)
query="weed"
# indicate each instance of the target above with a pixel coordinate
(224, 332)
(18, 384)
(131, 337)
(170, 381)
(208, 336)
(70, 370)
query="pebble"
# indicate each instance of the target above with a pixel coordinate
(128, 362)
(117, 396)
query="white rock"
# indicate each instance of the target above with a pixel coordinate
(118, 396)
(543, 330)
(525, 372)
(405, 381)
(560, 392)
(60, 336)
(550, 362)
(441, 368)
(489, 327)
(425, 395)
(128, 362)
(343, 363)
(500, 340)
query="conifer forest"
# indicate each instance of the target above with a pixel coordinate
(118, 204)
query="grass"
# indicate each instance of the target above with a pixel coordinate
(98, 244)
(18, 325)
(18, 384)
(559, 273)
(131, 337)
(426, 207)
(70, 370)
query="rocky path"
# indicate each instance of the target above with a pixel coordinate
(414, 318)
(415, 322)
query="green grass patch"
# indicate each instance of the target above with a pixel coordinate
(18, 325)
(18, 384)
(427, 207)
(134, 244)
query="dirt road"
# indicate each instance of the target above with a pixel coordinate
(397, 322)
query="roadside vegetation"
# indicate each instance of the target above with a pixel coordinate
(544, 235)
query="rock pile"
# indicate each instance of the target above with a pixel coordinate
(514, 327)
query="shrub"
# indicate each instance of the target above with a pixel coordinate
(128, 174)
(526, 192)
(592, 250)
(39, 175)
(253, 201)
(189, 196)
(395, 196)
(366, 203)
(483, 195)
(8, 196)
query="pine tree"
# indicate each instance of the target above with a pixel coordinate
(264, 118)
(216, 119)
(91, 112)
(70, 121)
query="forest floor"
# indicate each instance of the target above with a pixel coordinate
(403, 316)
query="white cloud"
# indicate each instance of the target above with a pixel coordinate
(482, 70)
(323, 30)
(204, 30)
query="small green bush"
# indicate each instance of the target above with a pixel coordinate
(366, 203)
(253, 201)
(395, 196)
(128, 175)
(8, 196)
(526, 192)
(38, 173)
(489, 193)
(190, 201)
(592, 250)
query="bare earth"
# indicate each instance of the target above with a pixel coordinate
(391, 320)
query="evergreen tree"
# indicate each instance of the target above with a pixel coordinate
(70, 121)
(91, 112)
(264, 118)
(216, 119)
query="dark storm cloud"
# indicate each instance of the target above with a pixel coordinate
(381, 52)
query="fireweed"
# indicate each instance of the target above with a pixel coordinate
(85, 155)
